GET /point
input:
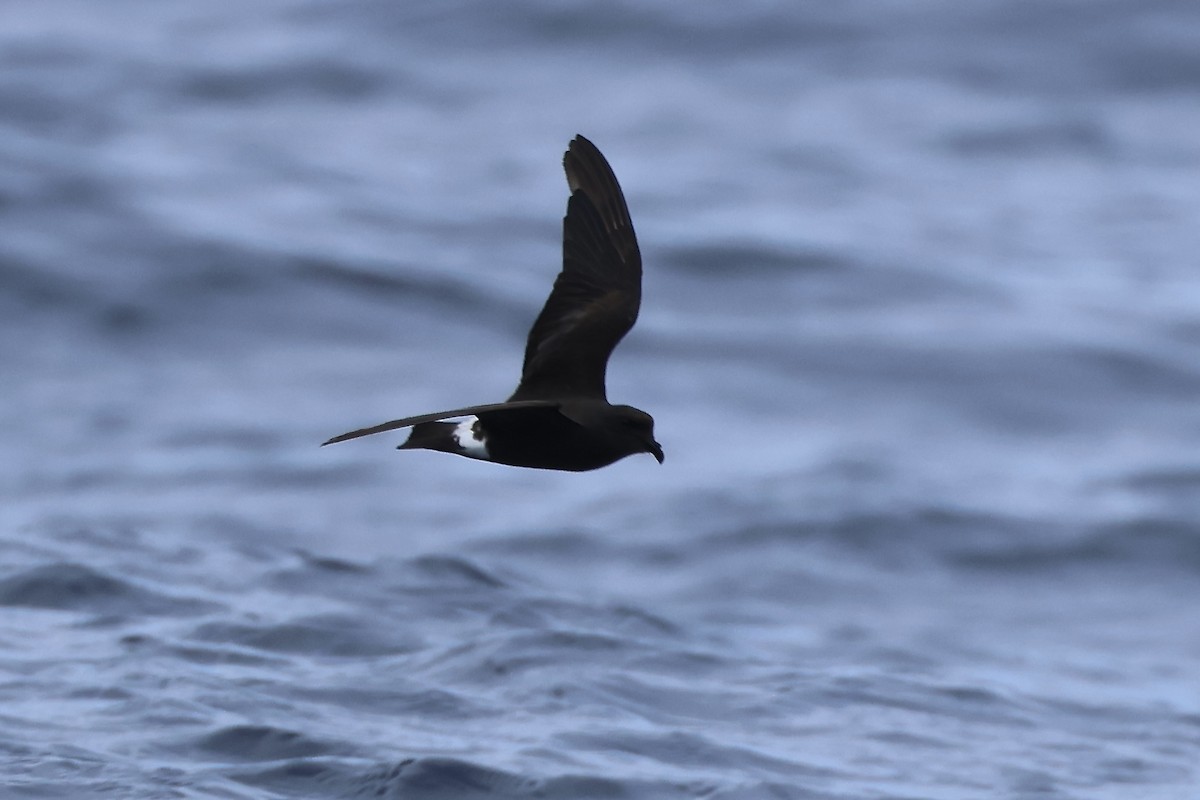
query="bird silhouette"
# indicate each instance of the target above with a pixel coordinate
(559, 416)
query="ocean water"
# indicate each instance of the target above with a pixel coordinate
(920, 331)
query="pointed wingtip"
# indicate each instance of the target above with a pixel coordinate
(345, 437)
(580, 147)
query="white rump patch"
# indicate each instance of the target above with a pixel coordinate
(470, 438)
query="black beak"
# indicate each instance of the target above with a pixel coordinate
(655, 449)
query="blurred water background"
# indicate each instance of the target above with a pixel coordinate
(921, 332)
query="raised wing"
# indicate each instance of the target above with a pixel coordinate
(383, 427)
(595, 298)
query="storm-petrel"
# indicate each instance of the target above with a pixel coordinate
(559, 417)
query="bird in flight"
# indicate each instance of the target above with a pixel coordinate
(559, 417)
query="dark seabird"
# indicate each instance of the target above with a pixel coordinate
(559, 417)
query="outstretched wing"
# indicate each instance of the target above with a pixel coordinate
(595, 298)
(439, 415)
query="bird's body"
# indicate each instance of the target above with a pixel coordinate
(541, 437)
(559, 416)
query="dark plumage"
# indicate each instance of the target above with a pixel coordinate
(559, 417)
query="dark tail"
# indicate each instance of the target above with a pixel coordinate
(431, 436)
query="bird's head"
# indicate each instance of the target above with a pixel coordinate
(637, 428)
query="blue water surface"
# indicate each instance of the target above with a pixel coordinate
(920, 331)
